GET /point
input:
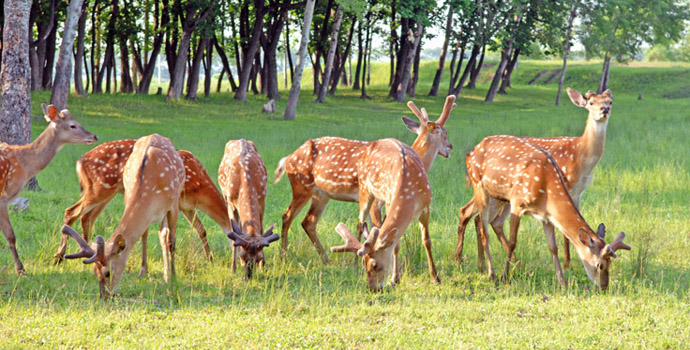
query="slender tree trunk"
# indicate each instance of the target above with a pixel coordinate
(126, 83)
(346, 56)
(79, 57)
(241, 94)
(566, 50)
(505, 82)
(226, 64)
(150, 66)
(405, 77)
(412, 87)
(291, 107)
(193, 77)
(467, 71)
(442, 58)
(47, 69)
(505, 57)
(287, 51)
(63, 70)
(393, 44)
(208, 62)
(355, 84)
(367, 47)
(477, 69)
(604, 81)
(331, 55)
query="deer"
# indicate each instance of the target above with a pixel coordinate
(19, 163)
(242, 178)
(326, 168)
(506, 169)
(153, 180)
(391, 172)
(100, 178)
(576, 156)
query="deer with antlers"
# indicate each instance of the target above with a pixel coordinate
(391, 172)
(19, 163)
(153, 180)
(242, 178)
(100, 178)
(506, 169)
(326, 168)
(576, 157)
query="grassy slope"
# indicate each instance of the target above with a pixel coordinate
(641, 187)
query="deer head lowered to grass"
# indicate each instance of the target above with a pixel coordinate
(100, 177)
(391, 172)
(326, 168)
(19, 163)
(242, 178)
(576, 157)
(509, 169)
(153, 179)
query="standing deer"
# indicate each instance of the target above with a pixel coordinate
(242, 178)
(153, 180)
(326, 168)
(509, 169)
(576, 157)
(19, 163)
(100, 178)
(391, 172)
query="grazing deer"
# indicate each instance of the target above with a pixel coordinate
(100, 178)
(509, 169)
(576, 157)
(19, 163)
(242, 178)
(153, 180)
(391, 172)
(326, 168)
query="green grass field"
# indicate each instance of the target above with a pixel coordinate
(641, 186)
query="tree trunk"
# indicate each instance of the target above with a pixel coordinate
(346, 56)
(193, 77)
(505, 83)
(317, 73)
(291, 107)
(150, 66)
(393, 44)
(412, 87)
(604, 81)
(79, 57)
(208, 62)
(455, 86)
(63, 70)
(15, 110)
(332, 47)
(355, 84)
(442, 58)
(241, 93)
(47, 67)
(566, 49)
(287, 51)
(226, 64)
(177, 75)
(95, 47)
(367, 48)
(477, 69)
(126, 84)
(403, 52)
(407, 65)
(505, 57)
(106, 68)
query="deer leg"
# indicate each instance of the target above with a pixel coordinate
(553, 248)
(366, 205)
(172, 238)
(484, 218)
(466, 213)
(396, 265)
(144, 270)
(566, 241)
(480, 245)
(375, 213)
(88, 213)
(426, 239)
(299, 199)
(7, 231)
(497, 224)
(318, 204)
(514, 225)
(193, 220)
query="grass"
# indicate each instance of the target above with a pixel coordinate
(641, 187)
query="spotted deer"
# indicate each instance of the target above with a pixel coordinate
(576, 157)
(153, 179)
(391, 172)
(19, 163)
(100, 178)
(509, 169)
(326, 168)
(242, 178)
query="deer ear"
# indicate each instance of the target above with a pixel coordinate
(607, 93)
(576, 97)
(584, 237)
(412, 125)
(119, 245)
(50, 113)
(65, 114)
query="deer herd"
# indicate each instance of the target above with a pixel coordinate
(510, 176)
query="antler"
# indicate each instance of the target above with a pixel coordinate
(86, 250)
(237, 235)
(351, 243)
(269, 237)
(417, 112)
(450, 104)
(611, 248)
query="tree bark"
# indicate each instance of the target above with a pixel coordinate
(346, 56)
(505, 82)
(79, 57)
(566, 50)
(505, 57)
(407, 65)
(393, 44)
(241, 94)
(208, 62)
(604, 81)
(106, 68)
(150, 65)
(457, 89)
(355, 83)
(291, 107)
(412, 87)
(442, 58)
(193, 77)
(367, 48)
(63, 70)
(331, 55)
(474, 75)
(226, 63)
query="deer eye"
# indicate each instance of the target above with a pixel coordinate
(72, 126)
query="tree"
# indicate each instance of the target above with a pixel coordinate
(15, 111)
(291, 107)
(444, 51)
(248, 56)
(566, 50)
(63, 70)
(331, 55)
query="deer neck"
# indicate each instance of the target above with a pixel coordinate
(592, 143)
(568, 220)
(38, 154)
(426, 153)
(251, 217)
(216, 208)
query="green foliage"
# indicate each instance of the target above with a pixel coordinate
(639, 187)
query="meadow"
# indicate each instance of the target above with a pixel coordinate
(641, 187)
